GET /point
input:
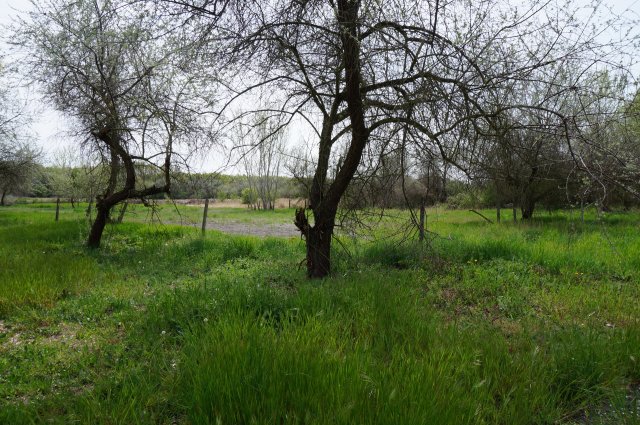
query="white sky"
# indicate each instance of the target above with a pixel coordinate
(49, 126)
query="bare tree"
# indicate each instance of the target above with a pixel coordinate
(18, 159)
(18, 163)
(111, 65)
(361, 72)
(261, 150)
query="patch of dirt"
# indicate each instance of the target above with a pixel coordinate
(9, 338)
(66, 335)
(237, 203)
(508, 327)
(253, 229)
(263, 230)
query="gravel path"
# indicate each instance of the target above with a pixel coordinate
(257, 229)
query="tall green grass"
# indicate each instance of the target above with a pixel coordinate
(502, 324)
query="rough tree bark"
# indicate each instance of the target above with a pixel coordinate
(325, 206)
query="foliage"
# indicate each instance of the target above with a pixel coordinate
(249, 196)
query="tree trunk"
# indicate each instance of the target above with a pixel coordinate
(527, 208)
(4, 193)
(324, 201)
(319, 251)
(318, 241)
(443, 194)
(102, 216)
(57, 209)
(89, 211)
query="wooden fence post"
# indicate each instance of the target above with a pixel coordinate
(423, 217)
(204, 215)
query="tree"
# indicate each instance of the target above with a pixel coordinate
(360, 72)
(111, 66)
(605, 147)
(76, 175)
(261, 148)
(18, 159)
(18, 163)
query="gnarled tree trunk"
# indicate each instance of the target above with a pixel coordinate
(111, 197)
(97, 228)
(324, 203)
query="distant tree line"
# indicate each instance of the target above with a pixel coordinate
(80, 184)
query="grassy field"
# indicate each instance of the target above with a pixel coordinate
(486, 324)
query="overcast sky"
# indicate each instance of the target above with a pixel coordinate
(49, 126)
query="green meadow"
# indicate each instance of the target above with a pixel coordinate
(535, 323)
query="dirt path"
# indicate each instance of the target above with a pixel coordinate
(257, 229)
(263, 230)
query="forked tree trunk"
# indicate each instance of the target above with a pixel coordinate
(111, 197)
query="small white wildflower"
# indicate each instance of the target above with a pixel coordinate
(163, 333)
(206, 319)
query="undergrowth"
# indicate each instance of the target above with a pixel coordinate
(484, 325)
